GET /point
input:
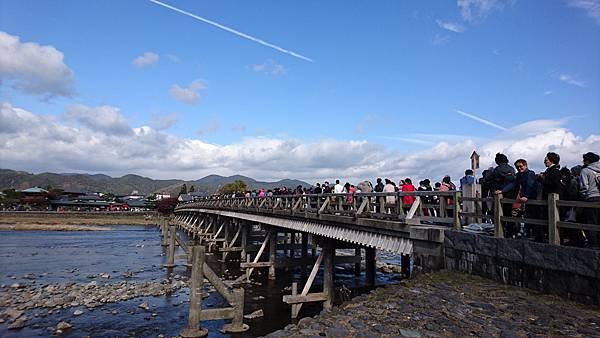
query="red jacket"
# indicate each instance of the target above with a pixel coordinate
(408, 200)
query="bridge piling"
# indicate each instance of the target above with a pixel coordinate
(197, 280)
(328, 272)
(272, 253)
(171, 255)
(370, 265)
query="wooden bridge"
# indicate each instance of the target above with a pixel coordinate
(306, 230)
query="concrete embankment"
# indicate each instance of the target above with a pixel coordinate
(451, 304)
(67, 221)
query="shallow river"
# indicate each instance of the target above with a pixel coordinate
(62, 257)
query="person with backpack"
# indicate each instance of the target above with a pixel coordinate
(589, 189)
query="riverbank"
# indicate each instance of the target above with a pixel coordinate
(451, 304)
(72, 221)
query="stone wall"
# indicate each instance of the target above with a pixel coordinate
(569, 272)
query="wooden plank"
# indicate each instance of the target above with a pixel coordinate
(364, 206)
(218, 283)
(582, 226)
(525, 220)
(217, 314)
(231, 249)
(577, 204)
(260, 252)
(324, 206)
(311, 297)
(255, 265)
(413, 208)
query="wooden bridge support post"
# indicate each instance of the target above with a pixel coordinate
(304, 252)
(196, 282)
(226, 237)
(245, 230)
(237, 323)
(171, 256)
(164, 230)
(370, 265)
(328, 272)
(272, 252)
(357, 253)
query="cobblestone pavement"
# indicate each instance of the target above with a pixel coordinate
(451, 304)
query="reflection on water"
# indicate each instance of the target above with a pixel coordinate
(61, 257)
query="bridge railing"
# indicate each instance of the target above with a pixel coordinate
(548, 217)
(431, 206)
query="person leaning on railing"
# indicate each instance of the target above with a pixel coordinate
(526, 186)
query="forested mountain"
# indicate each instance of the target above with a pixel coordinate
(126, 184)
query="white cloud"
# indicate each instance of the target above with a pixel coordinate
(547, 92)
(451, 26)
(33, 68)
(189, 95)
(571, 80)
(440, 39)
(36, 143)
(146, 59)
(477, 10)
(105, 119)
(591, 7)
(270, 67)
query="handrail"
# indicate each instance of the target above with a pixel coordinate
(390, 206)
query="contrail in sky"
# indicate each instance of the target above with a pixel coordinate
(231, 30)
(479, 119)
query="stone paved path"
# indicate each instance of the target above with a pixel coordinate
(450, 304)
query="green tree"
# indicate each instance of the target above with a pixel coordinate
(237, 186)
(183, 189)
(192, 188)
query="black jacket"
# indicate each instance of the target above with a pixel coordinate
(551, 183)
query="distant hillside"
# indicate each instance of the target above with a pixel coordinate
(211, 183)
(82, 182)
(126, 184)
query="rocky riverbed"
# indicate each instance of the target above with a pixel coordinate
(449, 304)
(17, 298)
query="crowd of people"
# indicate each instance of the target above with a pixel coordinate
(579, 183)
(518, 182)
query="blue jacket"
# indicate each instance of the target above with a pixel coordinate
(525, 183)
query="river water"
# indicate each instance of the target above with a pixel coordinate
(62, 257)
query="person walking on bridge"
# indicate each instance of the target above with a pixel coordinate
(589, 189)
(408, 200)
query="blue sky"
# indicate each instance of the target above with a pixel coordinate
(386, 84)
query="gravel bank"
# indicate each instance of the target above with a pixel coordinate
(450, 304)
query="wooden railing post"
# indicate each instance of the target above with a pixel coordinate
(553, 219)
(498, 229)
(457, 210)
(196, 282)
